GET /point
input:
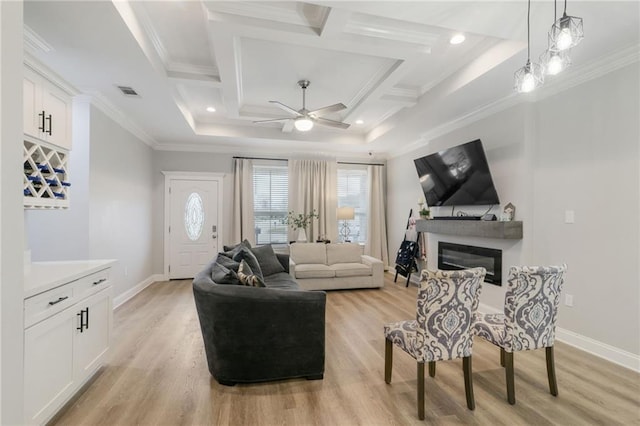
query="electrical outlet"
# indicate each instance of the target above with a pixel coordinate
(568, 299)
(569, 216)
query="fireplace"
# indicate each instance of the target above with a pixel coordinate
(457, 256)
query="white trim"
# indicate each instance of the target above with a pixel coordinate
(587, 344)
(38, 67)
(599, 349)
(170, 176)
(121, 299)
(34, 42)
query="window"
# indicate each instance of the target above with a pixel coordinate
(270, 201)
(193, 216)
(353, 191)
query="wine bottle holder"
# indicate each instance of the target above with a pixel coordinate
(46, 183)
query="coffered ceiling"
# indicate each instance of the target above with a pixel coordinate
(390, 63)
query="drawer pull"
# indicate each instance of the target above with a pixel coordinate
(60, 299)
(100, 281)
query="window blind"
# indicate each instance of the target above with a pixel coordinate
(270, 202)
(353, 191)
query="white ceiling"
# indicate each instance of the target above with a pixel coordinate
(389, 62)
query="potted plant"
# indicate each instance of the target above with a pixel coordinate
(299, 222)
(424, 212)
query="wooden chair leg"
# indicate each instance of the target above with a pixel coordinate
(396, 277)
(408, 278)
(388, 360)
(511, 391)
(432, 369)
(502, 357)
(421, 390)
(551, 371)
(468, 382)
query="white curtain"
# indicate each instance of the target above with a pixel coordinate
(243, 223)
(376, 244)
(313, 185)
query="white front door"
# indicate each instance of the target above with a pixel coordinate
(193, 225)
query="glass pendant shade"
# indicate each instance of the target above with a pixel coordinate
(566, 33)
(303, 124)
(554, 62)
(529, 77)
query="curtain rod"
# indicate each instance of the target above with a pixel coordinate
(284, 159)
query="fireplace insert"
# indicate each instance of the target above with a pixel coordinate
(457, 256)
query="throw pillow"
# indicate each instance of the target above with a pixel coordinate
(247, 277)
(246, 255)
(220, 274)
(231, 251)
(267, 259)
(227, 262)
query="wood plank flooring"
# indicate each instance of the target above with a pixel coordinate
(157, 375)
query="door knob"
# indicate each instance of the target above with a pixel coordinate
(214, 236)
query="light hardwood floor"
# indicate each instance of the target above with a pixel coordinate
(157, 375)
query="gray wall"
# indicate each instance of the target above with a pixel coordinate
(170, 161)
(576, 150)
(121, 201)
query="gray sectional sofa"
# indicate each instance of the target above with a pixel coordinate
(256, 334)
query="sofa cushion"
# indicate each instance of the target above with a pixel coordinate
(247, 277)
(351, 270)
(232, 251)
(245, 254)
(314, 270)
(308, 253)
(281, 280)
(343, 253)
(220, 274)
(227, 262)
(269, 263)
(245, 243)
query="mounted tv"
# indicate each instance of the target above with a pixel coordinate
(457, 176)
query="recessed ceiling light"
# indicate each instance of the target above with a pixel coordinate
(211, 109)
(359, 122)
(457, 39)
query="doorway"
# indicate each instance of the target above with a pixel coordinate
(193, 222)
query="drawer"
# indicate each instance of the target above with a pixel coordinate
(90, 284)
(44, 305)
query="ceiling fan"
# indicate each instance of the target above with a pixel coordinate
(303, 118)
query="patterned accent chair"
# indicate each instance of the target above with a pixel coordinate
(529, 319)
(447, 302)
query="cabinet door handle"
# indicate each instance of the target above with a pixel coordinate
(41, 128)
(81, 315)
(50, 124)
(60, 299)
(86, 324)
(100, 281)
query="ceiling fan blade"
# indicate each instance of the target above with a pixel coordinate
(331, 123)
(328, 109)
(274, 120)
(286, 108)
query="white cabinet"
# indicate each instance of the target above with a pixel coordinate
(46, 110)
(66, 340)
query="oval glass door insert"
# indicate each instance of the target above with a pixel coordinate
(194, 216)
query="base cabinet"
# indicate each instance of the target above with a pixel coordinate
(64, 349)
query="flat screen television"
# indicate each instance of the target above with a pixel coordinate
(457, 176)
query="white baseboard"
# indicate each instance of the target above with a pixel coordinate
(587, 344)
(129, 294)
(599, 349)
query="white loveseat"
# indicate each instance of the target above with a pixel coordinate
(319, 266)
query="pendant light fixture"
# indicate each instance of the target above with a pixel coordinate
(566, 32)
(531, 75)
(554, 61)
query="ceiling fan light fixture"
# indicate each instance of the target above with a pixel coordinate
(303, 124)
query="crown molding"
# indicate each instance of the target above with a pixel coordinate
(391, 29)
(35, 43)
(579, 75)
(46, 72)
(113, 112)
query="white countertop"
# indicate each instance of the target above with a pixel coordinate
(42, 276)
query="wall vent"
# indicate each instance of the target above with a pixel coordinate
(128, 91)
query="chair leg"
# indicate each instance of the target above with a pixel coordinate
(432, 369)
(408, 278)
(502, 357)
(468, 382)
(421, 390)
(551, 371)
(511, 391)
(396, 277)
(388, 360)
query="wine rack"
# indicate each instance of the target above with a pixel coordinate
(46, 184)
